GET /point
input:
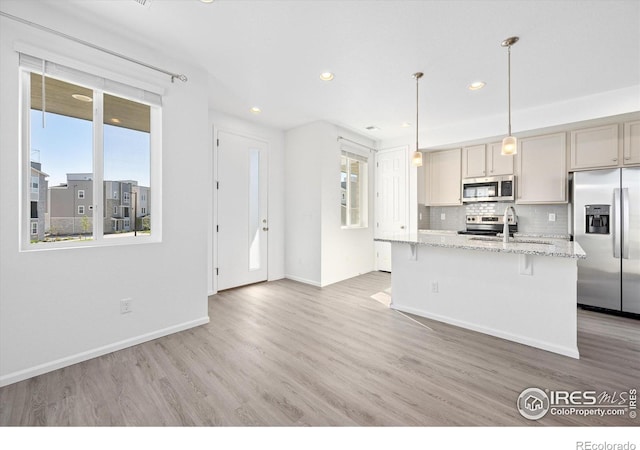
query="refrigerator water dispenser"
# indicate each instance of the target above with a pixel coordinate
(597, 219)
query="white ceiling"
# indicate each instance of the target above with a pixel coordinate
(270, 54)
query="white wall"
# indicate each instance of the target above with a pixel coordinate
(303, 219)
(346, 253)
(58, 307)
(318, 250)
(275, 140)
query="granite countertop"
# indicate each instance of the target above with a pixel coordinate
(523, 243)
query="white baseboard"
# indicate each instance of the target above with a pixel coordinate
(302, 280)
(90, 354)
(566, 351)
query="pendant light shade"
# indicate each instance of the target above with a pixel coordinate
(509, 143)
(416, 158)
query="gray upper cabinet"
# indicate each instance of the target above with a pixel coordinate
(443, 178)
(595, 147)
(474, 161)
(542, 169)
(485, 161)
(497, 163)
(631, 147)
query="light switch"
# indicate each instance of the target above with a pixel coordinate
(552, 217)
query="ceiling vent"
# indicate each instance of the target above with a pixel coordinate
(145, 3)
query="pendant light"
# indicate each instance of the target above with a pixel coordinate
(509, 143)
(416, 158)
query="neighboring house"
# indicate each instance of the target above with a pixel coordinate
(69, 203)
(117, 206)
(38, 200)
(142, 203)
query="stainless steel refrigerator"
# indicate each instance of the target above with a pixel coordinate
(606, 218)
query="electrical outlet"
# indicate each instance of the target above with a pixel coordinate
(443, 216)
(126, 305)
(434, 287)
(552, 217)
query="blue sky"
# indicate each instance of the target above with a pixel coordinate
(65, 146)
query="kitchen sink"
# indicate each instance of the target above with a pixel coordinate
(486, 238)
(511, 240)
(532, 241)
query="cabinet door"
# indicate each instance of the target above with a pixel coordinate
(497, 163)
(631, 143)
(473, 162)
(444, 177)
(542, 169)
(595, 147)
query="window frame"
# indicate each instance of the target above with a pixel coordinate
(80, 194)
(31, 228)
(363, 187)
(98, 202)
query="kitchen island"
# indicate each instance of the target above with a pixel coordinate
(523, 290)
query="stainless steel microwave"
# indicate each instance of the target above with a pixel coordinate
(489, 189)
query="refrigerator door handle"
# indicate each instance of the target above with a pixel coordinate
(615, 226)
(625, 223)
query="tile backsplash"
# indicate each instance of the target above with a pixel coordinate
(531, 218)
(423, 217)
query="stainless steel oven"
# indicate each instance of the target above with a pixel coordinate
(489, 225)
(489, 189)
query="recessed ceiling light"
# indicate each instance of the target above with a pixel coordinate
(115, 120)
(405, 125)
(326, 76)
(476, 85)
(206, 1)
(82, 98)
(255, 110)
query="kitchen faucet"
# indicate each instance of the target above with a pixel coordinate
(505, 228)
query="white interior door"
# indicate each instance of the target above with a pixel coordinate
(392, 212)
(242, 227)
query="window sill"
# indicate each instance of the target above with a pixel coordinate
(355, 227)
(108, 241)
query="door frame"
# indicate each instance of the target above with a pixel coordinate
(212, 257)
(411, 195)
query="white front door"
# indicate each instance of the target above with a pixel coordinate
(392, 212)
(242, 228)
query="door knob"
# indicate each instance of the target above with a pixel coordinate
(265, 228)
(402, 227)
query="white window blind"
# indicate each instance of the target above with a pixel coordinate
(65, 73)
(350, 152)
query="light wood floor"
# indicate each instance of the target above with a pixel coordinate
(284, 353)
